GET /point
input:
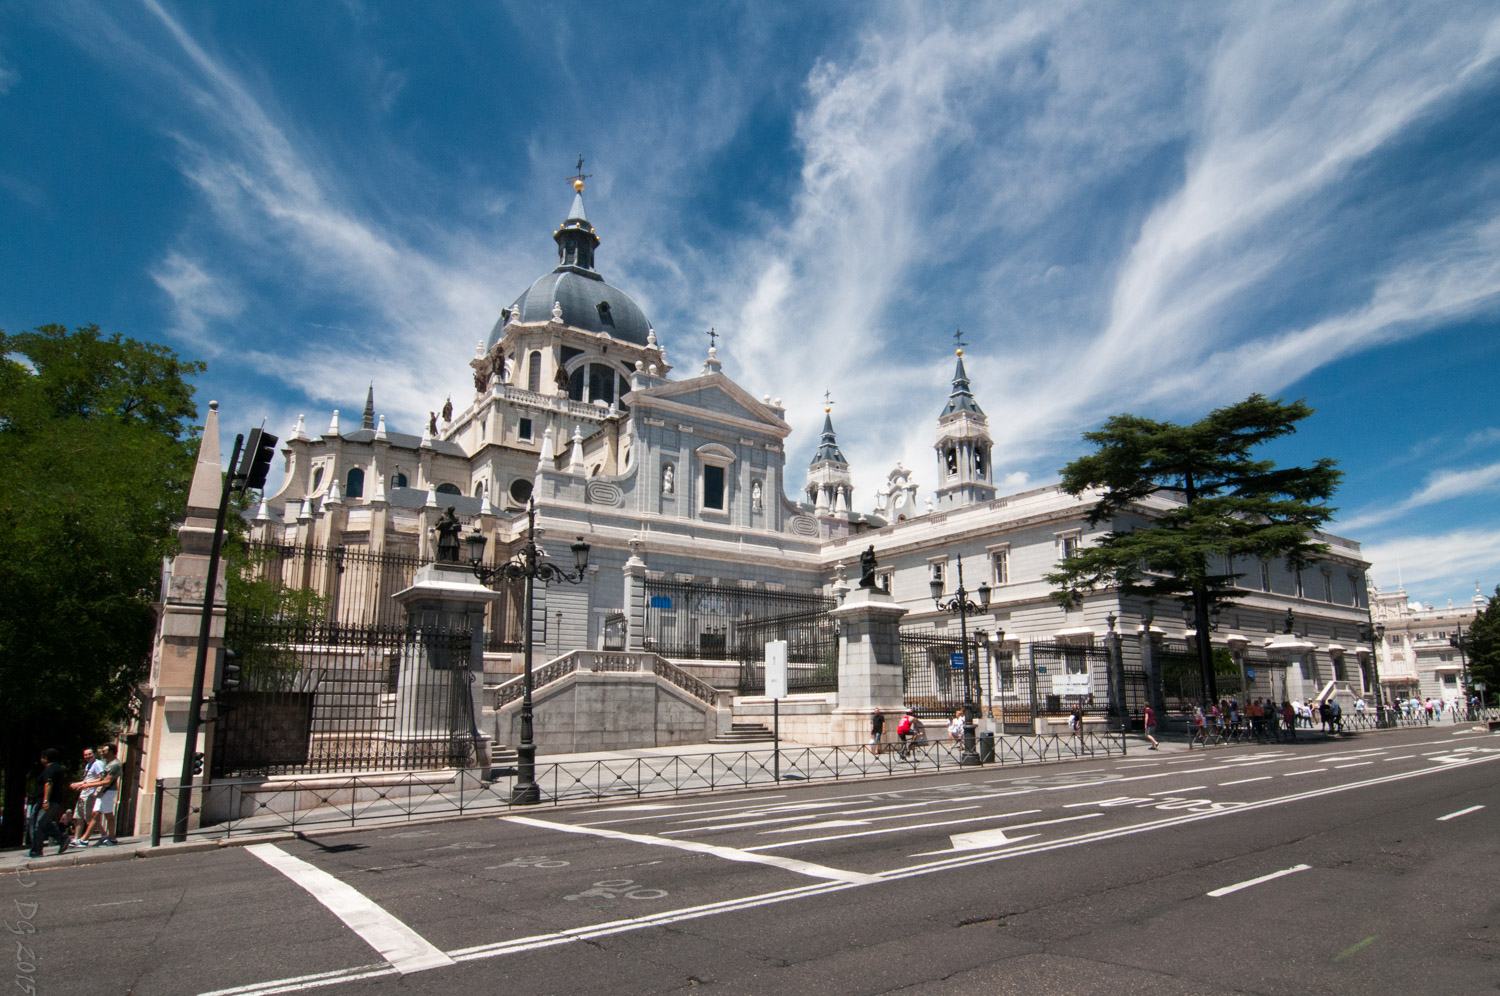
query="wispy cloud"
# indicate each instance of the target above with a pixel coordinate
(1441, 486)
(198, 300)
(1429, 564)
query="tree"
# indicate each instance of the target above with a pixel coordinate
(1482, 645)
(97, 446)
(1213, 502)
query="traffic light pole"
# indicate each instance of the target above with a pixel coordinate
(200, 664)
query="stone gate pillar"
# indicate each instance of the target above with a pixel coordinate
(434, 701)
(869, 664)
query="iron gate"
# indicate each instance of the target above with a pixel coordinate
(812, 651)
(695, 621)
(315, 698)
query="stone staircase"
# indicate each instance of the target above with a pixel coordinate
(745, 733)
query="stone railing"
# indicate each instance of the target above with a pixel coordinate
(606, 660)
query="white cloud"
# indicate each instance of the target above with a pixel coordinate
(1444, 485)
(1437, 566)
(198, 300)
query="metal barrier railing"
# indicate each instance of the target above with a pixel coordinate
(296, 803)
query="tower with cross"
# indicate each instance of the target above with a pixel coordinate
(963, 442)
(830, 483)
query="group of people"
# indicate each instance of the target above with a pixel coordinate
(74, 813)
(909, 731)
(1431, 709)
(1262, 718)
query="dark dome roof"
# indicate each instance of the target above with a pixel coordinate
(587, 303)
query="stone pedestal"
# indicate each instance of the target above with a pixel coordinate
(441, 683)
(869, 664)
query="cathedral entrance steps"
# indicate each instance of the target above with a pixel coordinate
(744, 733)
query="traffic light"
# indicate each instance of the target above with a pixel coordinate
(198, 763)
(229, 675)
(255, 464)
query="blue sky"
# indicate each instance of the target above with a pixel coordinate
(1131, 207)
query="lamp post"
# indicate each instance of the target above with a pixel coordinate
(1375, 634)
(529, 566)
(961, 605)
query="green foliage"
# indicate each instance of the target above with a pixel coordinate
(1222, 503)
(97, 446)
(1483, 648)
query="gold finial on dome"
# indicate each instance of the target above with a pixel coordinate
(578, 185)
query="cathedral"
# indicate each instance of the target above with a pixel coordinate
(676, 477)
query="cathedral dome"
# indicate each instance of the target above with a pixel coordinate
(587, 302)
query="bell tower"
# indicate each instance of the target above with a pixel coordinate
(963, 444)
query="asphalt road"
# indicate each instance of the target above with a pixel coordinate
(1367, 865)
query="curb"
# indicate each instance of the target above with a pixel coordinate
(98, 856)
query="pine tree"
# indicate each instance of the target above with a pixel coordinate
(1181, 499)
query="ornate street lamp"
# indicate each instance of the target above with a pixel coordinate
(1375, 635)
(961, 605)
(528, 565)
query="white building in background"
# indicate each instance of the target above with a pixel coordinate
(1416, 655)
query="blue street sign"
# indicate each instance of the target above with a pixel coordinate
(1041, 670)
(956, 661)
(1250, 673)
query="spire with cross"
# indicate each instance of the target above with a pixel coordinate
(958, 341)
(580, 175)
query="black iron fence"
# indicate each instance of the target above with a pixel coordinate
(314, 697)
(353, 586)
(1182, 679)
(812, 651)
(696, 621)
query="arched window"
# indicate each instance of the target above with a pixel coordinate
(534, 373)
(398, 480)
(448, 489)
(478, 489)
(354, 484)
(317, 478)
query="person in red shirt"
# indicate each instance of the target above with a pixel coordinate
(1151, 728)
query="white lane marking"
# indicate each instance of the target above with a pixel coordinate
(728, 853)
(301, 983)
(997, 837)
(123, 902)
(1257, 881)
(1356, 764)
(1246, 781)
(521, 944)
(1402, 757)
(1461, 812)
(644, 806)
(885, 830)
(829, 824)
(1294, 774)
(733, 826)
(1190, 788)
(404, 948)
(1220, 809)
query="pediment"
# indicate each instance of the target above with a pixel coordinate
(714, 397)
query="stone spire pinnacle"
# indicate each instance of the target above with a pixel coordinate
(368, 421)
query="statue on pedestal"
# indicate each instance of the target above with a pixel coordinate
(448, 528)
(867, 567)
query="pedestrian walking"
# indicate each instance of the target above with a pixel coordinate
(877, 732)
(93, 768)
(51, 795)
(956, 728)
(106, 789)
(1151, 728)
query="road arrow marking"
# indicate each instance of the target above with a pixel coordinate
(997, 837)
